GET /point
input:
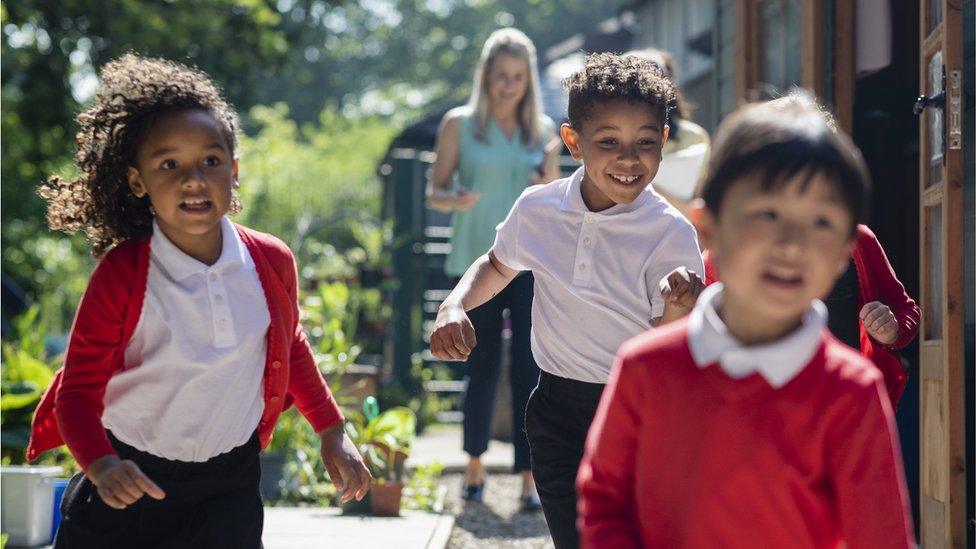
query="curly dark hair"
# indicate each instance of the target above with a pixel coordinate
(608, 76)
(135, 91)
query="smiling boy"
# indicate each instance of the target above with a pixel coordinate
(599, 244)
(748, 424)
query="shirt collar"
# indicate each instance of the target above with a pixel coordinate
(778, 362)
(180, 265)
(573, 199)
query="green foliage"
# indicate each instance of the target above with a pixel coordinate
(384, 440)
(298, 181)
(53, 48)
(27, 372)
(53, 267)
(423, 491)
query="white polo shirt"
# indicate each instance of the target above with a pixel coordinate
(192, 384)
(596, 273)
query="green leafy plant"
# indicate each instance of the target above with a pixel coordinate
(423, 491)
(26, 375)
(384, 441)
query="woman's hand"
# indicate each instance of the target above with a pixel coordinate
(120, 482)
(448, 201)
(879, 322)
(465, 200)
(344, 464)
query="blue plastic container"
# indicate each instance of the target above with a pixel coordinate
(59, 486)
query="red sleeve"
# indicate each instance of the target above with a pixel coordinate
(867, 474)
(96, 339)
(711, 273)
(305, 382)
(605, 482)
(890, 290)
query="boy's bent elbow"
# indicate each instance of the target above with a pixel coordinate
(502, 269)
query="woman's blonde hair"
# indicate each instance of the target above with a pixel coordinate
(512, 42)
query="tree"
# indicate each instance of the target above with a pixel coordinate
(390, 58)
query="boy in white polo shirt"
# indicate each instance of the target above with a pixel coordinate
(611, 258)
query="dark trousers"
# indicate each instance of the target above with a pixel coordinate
(211, 504)
(484, 368)
(557, 419)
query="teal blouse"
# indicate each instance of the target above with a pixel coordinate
(499, 170)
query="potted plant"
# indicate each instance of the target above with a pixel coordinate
(384, 439)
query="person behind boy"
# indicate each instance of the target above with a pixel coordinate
(748, 424)
(186, 346)
(600, 245)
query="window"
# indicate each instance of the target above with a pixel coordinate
(780, 47)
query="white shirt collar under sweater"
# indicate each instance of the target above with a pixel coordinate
(778, 362)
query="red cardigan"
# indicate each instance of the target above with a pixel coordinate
(70, 411)
(877, 282)
(687, 457)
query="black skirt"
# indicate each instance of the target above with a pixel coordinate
(211, 504)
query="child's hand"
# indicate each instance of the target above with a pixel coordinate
(680, 290)
(453, 336)
(879, 322)
(120, 482)
(344, 464)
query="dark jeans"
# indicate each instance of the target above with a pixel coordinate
(484, 368)
(211, 504)
(557, 419)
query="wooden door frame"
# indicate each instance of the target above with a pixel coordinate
(942, 362)
(813, 53)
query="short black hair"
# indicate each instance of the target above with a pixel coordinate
(607, 76)
(780, 139)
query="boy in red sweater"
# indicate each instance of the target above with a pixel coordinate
(748, 424)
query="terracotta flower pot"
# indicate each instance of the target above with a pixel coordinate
(385, 499)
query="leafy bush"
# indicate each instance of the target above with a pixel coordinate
(384, 440)
(309, 180)
(27, 373)
(423, 491)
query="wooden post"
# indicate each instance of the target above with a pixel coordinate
(845, 23)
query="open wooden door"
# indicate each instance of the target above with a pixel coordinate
(942, 409)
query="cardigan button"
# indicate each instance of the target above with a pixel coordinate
(274, 398)
(262, 423)
(276, 364)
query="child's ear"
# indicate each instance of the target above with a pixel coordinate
(135, 181)
(665, 135)
(235, 172)
(571, 138)
(704, 222)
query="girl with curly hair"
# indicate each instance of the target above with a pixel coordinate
(187, 345)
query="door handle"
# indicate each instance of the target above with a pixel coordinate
(922, 102)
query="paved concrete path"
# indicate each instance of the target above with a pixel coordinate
(315, 528)
(443, 443)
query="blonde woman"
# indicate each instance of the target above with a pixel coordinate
(495, 145)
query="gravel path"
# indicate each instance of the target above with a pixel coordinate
(496, 522)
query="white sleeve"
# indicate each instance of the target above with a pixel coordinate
(506, 247)
(678, 248)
